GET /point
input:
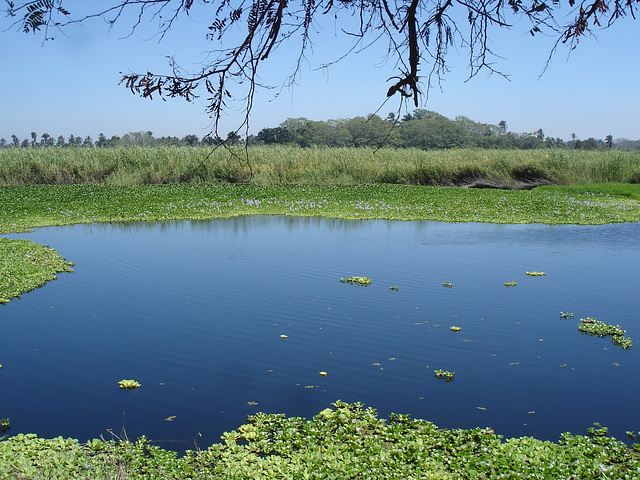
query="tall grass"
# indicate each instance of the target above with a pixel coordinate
(276, 165)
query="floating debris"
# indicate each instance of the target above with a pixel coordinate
(447, 284)
(444, 374)
(536, 274)
(170, 418)
(453, 328)
(252, 403)
(510, 284)
(362, 281)
(129, 384)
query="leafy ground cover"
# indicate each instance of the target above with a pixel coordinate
(345, 441)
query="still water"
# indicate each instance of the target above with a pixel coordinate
(195, 311)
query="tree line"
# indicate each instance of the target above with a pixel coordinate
(423, 129)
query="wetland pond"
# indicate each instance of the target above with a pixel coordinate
(224, 318)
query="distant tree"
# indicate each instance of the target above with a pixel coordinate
(60, 142)
(46, 140)
(102, 141)
(25, 143)
(502, 126)
(479, 134)
(270, 136)
(71, 140)
(15, 141)
(589, 144)
(233, 138)
(170, 141)
(370, 131)
(608, 141)
(209, 141)
(87, 142)
(34, 139)
(3, 142)
(190, 140)
(433, 131)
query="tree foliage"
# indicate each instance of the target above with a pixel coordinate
(413, 35)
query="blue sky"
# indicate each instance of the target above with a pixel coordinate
(70, 85)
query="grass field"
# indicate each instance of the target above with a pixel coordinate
(277, 165)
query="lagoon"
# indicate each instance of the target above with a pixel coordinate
(195, 312)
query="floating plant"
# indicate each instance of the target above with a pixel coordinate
(444, 374)
(395, 288)
(566, 315)
(5, 425)
(509, 284)
(593, 326)
(129, 384)
(362, 281)
(283, 336)
(536, 274)
(322, 374)
(453, 328)
(447, 284)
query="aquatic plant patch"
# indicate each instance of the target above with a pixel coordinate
(444, 375)
(129, 384)
(343, 441)
(25, 265)
(26, 207)
(593, 326)
(362, 281)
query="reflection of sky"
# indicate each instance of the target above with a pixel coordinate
(195, 310)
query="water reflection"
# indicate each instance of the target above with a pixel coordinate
(195, 312)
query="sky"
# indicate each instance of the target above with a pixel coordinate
(70, 85)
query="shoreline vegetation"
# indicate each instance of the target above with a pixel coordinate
(279, 165)
(346, 441)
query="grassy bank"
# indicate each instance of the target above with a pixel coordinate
(346, 441)
(127, 166)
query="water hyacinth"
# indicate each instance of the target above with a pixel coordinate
(593, 326)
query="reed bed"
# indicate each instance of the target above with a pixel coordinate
(278, 165)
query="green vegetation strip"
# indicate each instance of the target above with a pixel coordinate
(346, 441)
(277, 165)
(25, 207)
(25, 265)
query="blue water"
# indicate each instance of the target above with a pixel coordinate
(194, 312)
